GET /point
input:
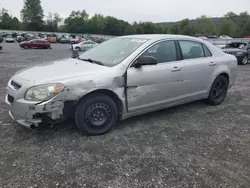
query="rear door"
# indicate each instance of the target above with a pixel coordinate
(197, 68)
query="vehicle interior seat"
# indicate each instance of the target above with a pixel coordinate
(165, 53)
(195, 52)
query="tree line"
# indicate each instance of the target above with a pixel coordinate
(33, 19)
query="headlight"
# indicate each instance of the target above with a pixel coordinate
(239, 53)
(43, 92)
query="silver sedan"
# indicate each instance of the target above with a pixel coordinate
(120, 78)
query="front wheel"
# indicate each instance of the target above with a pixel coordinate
(96, 114)
(78, 49)
(26, 47)
(244, 60)
(218, 90)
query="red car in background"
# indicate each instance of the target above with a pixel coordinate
(35, 43)
(79, 41)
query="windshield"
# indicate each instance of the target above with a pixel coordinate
(236, 45)
(114, 51)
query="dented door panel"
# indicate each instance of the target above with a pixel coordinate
(152, 86)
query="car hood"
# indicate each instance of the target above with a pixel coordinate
(233, 50)
(59, 70)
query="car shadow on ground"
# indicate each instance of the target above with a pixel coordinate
(69, 127)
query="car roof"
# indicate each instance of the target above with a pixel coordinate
(159, 36)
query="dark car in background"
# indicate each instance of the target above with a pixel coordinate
(35, 43)
(62, 40)
(241, 50)
(20, 38)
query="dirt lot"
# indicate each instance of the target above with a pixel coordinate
(193, 145)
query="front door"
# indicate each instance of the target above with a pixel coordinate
(153, 86)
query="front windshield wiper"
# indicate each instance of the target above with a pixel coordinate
(92, 61)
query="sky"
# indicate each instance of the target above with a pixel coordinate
(138, 10)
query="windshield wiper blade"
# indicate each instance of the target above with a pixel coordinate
(92, 61)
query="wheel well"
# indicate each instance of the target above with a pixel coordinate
(225, 75)
(109, 93)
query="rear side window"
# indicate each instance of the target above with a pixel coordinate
(191, 50)
(207, 51)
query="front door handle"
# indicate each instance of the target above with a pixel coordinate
(175, 69)
(212, 64)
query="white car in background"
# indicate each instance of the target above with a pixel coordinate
(202, 37)
(225, 37)
(83, 46)
(9, 38)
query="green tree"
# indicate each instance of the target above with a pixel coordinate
(52, 22)
(240, 22)
(113, 26)
(77, 22)
(174, 29)
(32, 15)
(5, 19)
(205, 26)
(228, 27)
(96, 24)
(130, 30)
(15, 24)
(186, 28)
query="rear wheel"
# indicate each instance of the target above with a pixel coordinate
(96, 114)
(218, 90)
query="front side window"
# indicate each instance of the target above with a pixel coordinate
(162, 52)
(191, 50)
(113, 51)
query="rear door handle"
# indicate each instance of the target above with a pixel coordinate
(212, 64)
(175, 69)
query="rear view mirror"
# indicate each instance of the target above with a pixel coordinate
(145, 60)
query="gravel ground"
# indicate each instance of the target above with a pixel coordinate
(194, 145)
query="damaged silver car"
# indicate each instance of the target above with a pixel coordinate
(120, 78)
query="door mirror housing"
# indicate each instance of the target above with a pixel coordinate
(145, 60)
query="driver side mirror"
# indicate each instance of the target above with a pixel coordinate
(145, 60)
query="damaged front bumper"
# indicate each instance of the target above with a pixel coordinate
(32, 114)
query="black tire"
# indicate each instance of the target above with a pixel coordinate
(78, 49)
(98, 106)
(218, 91)
(26, 47)
(244, 60)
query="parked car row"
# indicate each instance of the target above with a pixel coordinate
(213, 37)
(52, 38)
